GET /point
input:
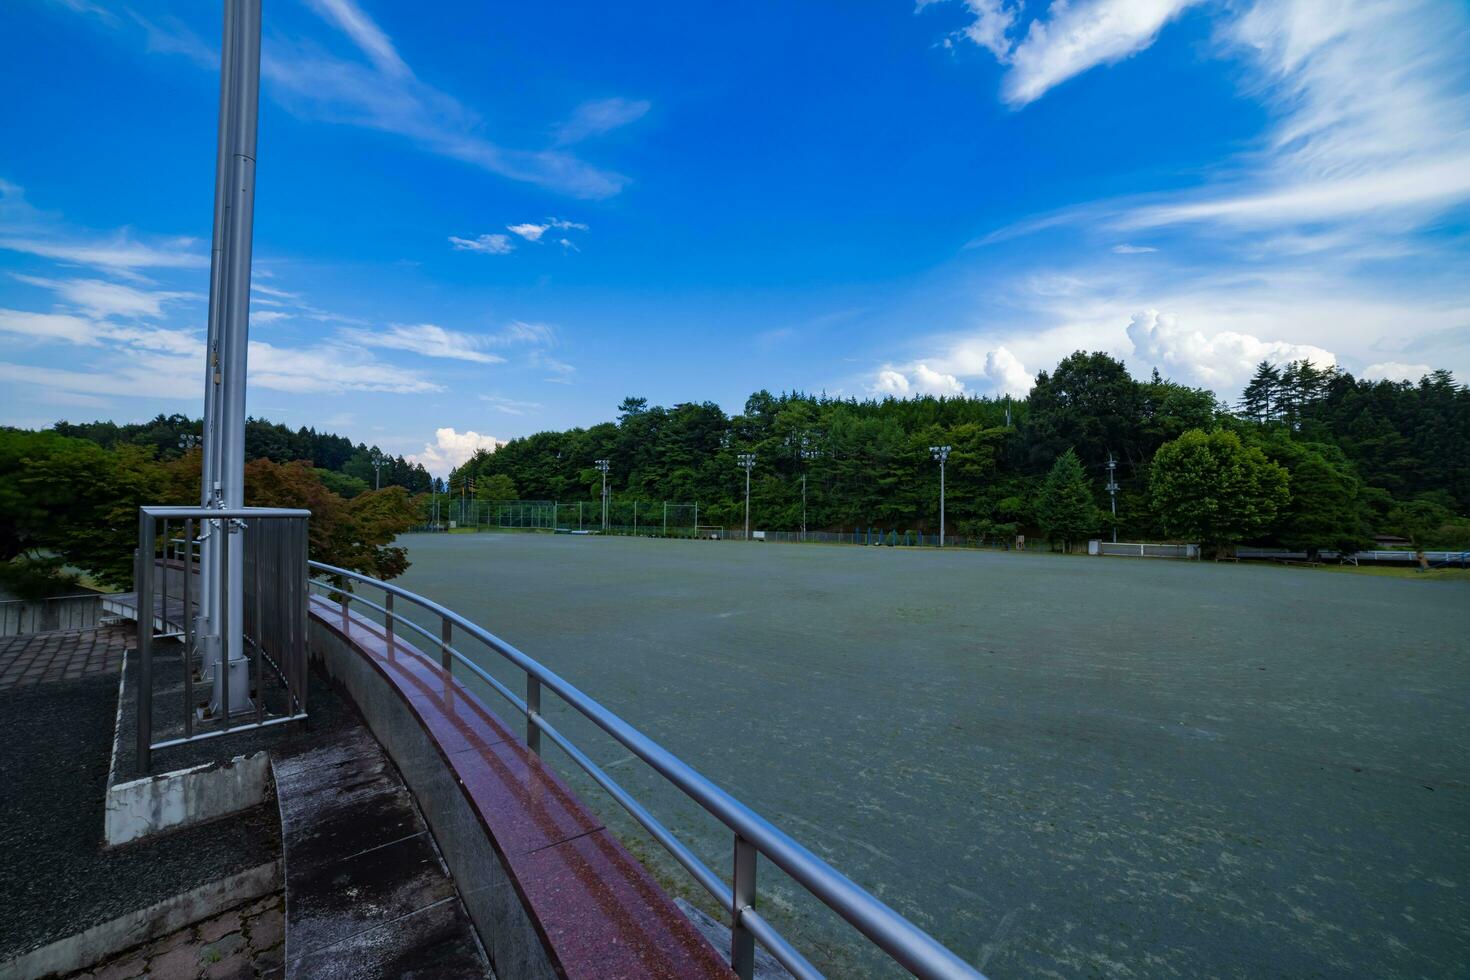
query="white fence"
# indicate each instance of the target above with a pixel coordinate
(1140, 549)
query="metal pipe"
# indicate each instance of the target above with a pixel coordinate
(144, 589)
(533, 714)
(742, 940)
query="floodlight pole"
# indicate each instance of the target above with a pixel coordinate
(807, 455)
(1112, 489)
(747, 463)
(603, 464)
(222, 482)
(378, 463)
(940, 453)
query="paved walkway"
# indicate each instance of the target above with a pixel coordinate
(37, 658)
(241, 944)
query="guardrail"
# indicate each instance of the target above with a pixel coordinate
(910, 946)
(274, 592)
(62, 612)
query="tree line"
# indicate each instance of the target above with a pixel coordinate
(346, 468)
(1309, 458)
(69, 508)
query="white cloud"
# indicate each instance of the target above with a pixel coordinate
(1006, 374)
(1067, 41)
(1079, 36)
(1221, 361)
(521, 332)
(599, 116)
(427, 340)
(532, 232)
(1395, 371)
(510, 406)
(488, 244)
(366, 34)
(1126, 249)
(118, 254)
(263, 317)
(891, 382)
(100, 299)
(330, 369)
(918, 379)
(49, 326)
(451, 448)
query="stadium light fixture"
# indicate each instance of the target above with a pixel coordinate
(807, 454)
(940, 453)
(747, 463)
(604, 465)
(1112, 489)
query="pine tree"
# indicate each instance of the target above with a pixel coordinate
(1065, 508)
(1259, 397)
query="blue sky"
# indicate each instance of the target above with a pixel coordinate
(478, 221)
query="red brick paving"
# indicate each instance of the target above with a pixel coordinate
(37, 658)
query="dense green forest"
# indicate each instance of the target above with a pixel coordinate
(346, 469)
(1309, 458)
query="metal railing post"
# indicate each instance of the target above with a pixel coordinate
(188, 631)
(163, 584)
(345, 599)
(446, 636)
(388, 621)
(256, 545)
(533, 713)
(144, 597)
(742, 940)
(223, 666)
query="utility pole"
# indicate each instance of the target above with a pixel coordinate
(1112, 489)
(940, 453)
(747, 463)
(378, 463)
(222, 476)
(603, 464)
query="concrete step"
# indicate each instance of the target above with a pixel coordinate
(367, 893)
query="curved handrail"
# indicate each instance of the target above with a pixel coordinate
(913, 948)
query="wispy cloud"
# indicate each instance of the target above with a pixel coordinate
(427, 340)
(1071, 38)
(356, 24)
(486, 244)
(385, 95)
(48, 326)
(100, 299)
(511, 406)
(1126, 249)
(118, 254)
(532, 232)
(599, 116)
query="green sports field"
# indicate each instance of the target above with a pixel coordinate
(1059, 766)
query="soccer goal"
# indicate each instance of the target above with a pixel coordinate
(709, 532)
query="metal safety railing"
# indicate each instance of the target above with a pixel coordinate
(911, 947)
(271, 566)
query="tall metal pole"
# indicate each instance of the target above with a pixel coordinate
(747, 462)
(1112, 489)
(603, 465)
(940, 453)
(240, 102)
(204, 629)
(803, 507)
